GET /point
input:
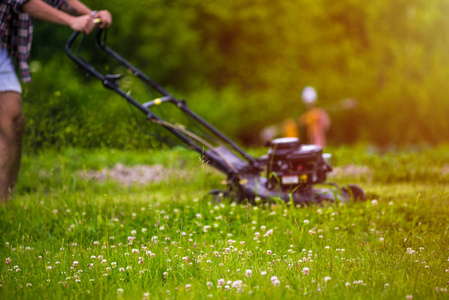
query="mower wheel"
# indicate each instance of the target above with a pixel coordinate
(354, 192)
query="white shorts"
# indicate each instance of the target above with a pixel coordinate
(8, 77)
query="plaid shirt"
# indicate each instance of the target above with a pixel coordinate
(16, 32)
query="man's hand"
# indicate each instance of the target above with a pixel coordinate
(105, 16)
(84, 24)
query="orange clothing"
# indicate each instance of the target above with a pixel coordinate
(290, 128)
(317, 122)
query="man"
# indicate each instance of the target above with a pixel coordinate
(16, 26)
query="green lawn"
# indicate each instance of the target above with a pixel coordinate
(64, 236)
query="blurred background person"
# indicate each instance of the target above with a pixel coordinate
(315, 120)
(310, 127)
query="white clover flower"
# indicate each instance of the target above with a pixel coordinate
(273, 278)
(209, 285)
(188, 287)
(263, 273)
(237, 284)
(327, 278)
(276, 282)
(305, 271)
(374, 202)
(248, 273)
(269, 233)
(269, 252)
(75, 264)
(221, 282)
(306, 222)
(119, 291)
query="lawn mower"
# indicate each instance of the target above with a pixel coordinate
(290, 171)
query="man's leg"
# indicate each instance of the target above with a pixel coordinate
(12, 124)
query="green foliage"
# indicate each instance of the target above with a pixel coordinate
(256, 56)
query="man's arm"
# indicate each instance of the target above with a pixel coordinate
(45, 12)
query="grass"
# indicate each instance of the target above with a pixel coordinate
(63, 236)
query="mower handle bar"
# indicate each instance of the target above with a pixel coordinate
(101, 42)
(157, 101)
(110, 81)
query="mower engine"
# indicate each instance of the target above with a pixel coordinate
(291, 165)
